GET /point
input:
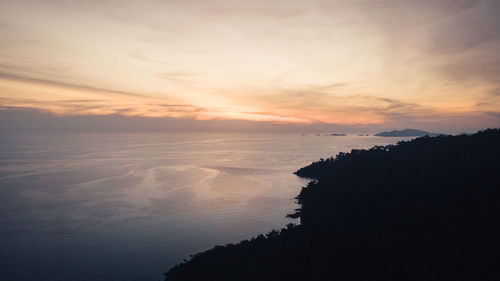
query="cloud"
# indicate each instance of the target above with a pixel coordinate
(140, 56)
(100, 107)
(494, 114)
(331, 103)
(182, 108)
(13, 119)
(7, 76)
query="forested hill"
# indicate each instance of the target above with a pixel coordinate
(406, 133)
(426, 209)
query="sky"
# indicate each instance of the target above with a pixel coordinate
(359, 63)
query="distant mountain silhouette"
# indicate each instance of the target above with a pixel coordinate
(425, 209)
(405, 133)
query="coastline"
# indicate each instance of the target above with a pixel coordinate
(388, 213)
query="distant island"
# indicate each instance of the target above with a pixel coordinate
(338, 135)
(425, 209)
(405, 133)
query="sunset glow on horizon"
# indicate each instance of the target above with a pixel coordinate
(339, 62)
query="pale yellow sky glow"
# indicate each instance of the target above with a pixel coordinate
(340, 62)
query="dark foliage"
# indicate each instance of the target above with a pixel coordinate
(426, 209)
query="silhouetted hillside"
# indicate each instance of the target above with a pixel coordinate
(406, 133)
(426, 209)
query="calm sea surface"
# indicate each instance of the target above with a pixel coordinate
(128, 206)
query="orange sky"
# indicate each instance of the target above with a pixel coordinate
(340, 62)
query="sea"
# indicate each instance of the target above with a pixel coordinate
(129, 206)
